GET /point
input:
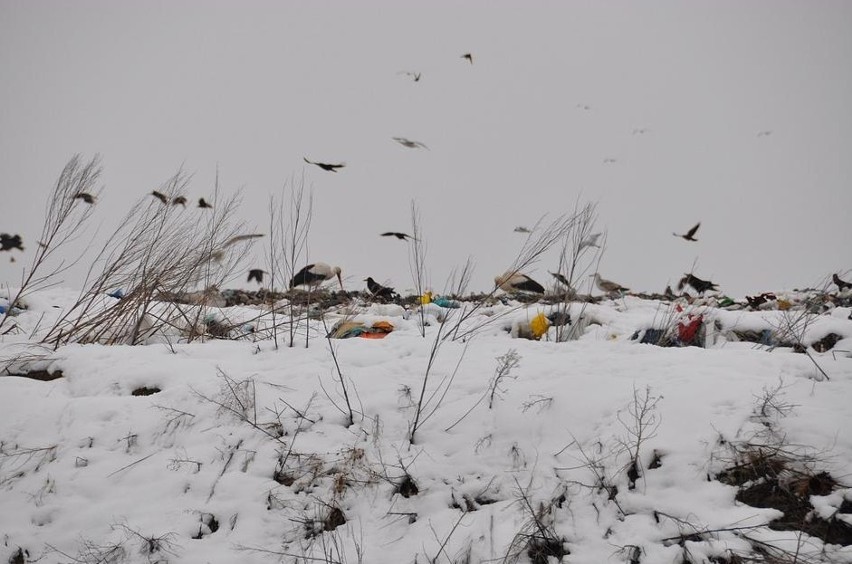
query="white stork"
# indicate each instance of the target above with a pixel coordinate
(315, 274)
(517, 282)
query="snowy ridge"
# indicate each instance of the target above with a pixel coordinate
(244, 454)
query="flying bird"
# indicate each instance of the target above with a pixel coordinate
(378, 290)
(841, 285)
(239, 238)
(401, 236)
(584, 107)
(414, 75)
(689, 235)
(202, 203)
(9, 242)
(326, 166)
(179, 200)
(610, 160)
(85, 196)
(521, 229)
(315, 274)
(640, 131)
(256, 274)
(409, 143)
(516, 282)
(590, 241)
(468, 56)
(764, 133)
(608, 286)
(696, 284)
(160, 196)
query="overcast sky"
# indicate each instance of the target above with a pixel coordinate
(253, 87)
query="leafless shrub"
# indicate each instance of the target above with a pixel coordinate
(640, 422)
(537, 537)
(290, 223)
(505, 364)
(65, 217)
(17, 461)
(157, 254)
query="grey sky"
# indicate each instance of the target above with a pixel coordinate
(254, 87)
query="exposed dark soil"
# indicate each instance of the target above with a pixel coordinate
(407, 487)
(145, 391)
(41, 375)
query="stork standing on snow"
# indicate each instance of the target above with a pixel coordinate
(315, 274)
(517, 282)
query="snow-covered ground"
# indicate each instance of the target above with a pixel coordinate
(246, 453)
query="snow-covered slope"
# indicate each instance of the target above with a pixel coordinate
(246, 454)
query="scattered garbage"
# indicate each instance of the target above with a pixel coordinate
(349, 329)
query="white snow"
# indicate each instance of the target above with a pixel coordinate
(88, 471)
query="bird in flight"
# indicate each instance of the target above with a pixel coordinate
(521, 229)
(202, 203)
(9, 242)
(326, 166)
(689, 235)
(160, 196)
(256, 274)
(179, 200)
(468, 56)
(85, 196)
(764, 133)
(585, 107)
(590, 241)
(239, 238)
(415, 76)
(609, 160)
(409, 143)
(401, 236)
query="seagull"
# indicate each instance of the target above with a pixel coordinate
(414, 75)
(256, 274)
(179, 200)
(315, 274)
(689, 235)
(608, 286)
(610, 160)
(640, 131)
(378, 290)
(584, 107)
(85, 196)
(764, 133)
(516, 282)
(9, 242)
(521, 229)
(160, 196)
(326, 166)
(590, 241)
(409, 143)
(468, 56)
(696, 283)
(202, 203)
(401, 236)
(841, 285)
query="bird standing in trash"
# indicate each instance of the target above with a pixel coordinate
(696, 283)
(608, 286)
(517, 282)
(841, 285)
(315, 274)
(689, 235)
(9, 242)
(378, 290)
